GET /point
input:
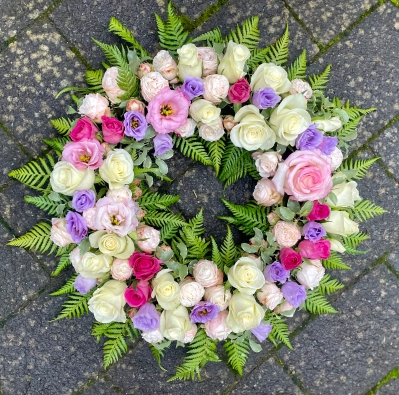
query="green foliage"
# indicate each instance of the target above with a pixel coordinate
(316, 303)
(169, 231)
(193, 148)
(216, 150)
(329, 286)
(334, 261)
(216, 255)
(153, 201)
(94, 78)
(360, 165)
(352, 241)
(237, 353)
(62, 264)
(258, 56)
(160, 219)
(158, 355)
(298, 68)
(76, 305)
(212, 37)
(280, 332)
(197, 246)
(201, 350)
(62, 125)
(228, 250)
(247, 34)
(319, 82)
(36, 173)
(197, 223)
(278, 53)
(44, 203)
(364, 210)
(67, 288)
(57, 144)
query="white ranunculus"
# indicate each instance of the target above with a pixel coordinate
(110, 85)
(233, 62)
(265, 193)
(190, 65)
(112, 244)
(152, 336)
(107, 302)
(119, 195)
(286, 234)
(117, 169)
(218, 296)
(190, 334)
(94, 266)
(191, 292)
(187, 130)
(166, 290)
(336, 158)
(217, 328)
(175, 323)
(204, 111)
(339, 223)
(270, 295)
(269, 75)
(346, 193)
(211, 132)
(216, 87)
(329, 125)
(59, 235)
(310, 274)
(121, 269)
(300, 86)
(148, 238)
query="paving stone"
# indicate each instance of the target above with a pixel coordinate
(393, 259)
(386, 146)
(391, 388)
(21, 275)
(325, 19)
(33, 69)
(193, 8)
(101, 387)
(349, 352)
(269, 379)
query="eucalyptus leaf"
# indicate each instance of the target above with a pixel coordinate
(172, 265)
(183, 271)
(137, 145)
(60, 209)
(249, 248)
(288, 313)
(183, 250)
(350, 137)
(255, 346)
(342, 114)
(147, 163)
(84, 246)
(266, 257)
(218, 47)
(258, 233)
(141, 158)
(166, 255)
(190, 266)
(349, 173)
(266, 113)
(149, 179)
(54, 196)
(163, 167)
(306, 208)
(333, 197)
(338, 180)
(167, 155)
(293, 205)
(270, 237)
(71, 110)
(285, 213)
(281, 148)
(161, 346)
(150, 133)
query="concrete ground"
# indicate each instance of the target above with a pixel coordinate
(46, 45)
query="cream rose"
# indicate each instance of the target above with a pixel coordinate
(204, 111)
(166, 290)
(244, 313)
(151, 236)
(211, 132)
(269, 75)
(286, 234)
(207, 273)
(112, 244)
(94, 266)
(190, 65)
(209, 60)
(329, 125)
(216, 88)
(119, 195)
(175, 323)
(121, 270)
(152, 336)
(95, 106)
(346, 193)
(265, 193)
(251, 132)
(233, 62)
(336, 246)
(246, 275)
(191, 292)
(165, 65)
(339, 223)
(187, 130)
(108, 301)
(190, 335)
(58, 234)
(117, 169)
(217, 328)
(300, 86)
(218, 296)
(290, 119)
(310, 274)
(110, 85)
(270, 295)
(151, 84)
(266, 163)
(336, 158)
(75, 257)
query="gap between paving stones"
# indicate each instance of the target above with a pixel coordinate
(393, 374)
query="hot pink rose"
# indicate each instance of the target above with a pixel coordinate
(240, 91)
(290, 259)
(319, 212)
(168, 111)
(315, 250)
(85, 154)
(139, 296)
(84, 129)
(112, 130)
(144, 266)
(304, 175)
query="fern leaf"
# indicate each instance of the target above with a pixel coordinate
(228, 250)
(278, 53)
(216, 150)
(334, 261)
(231, 157)
(247, 34)
(352, 241)
(158, 355)
(329, 286)
(127, 81)
(197, 246)
(364, 210)
(316, 303)
(192, 148)
(237, 354)
(67, 288)
(115, 347)
(95, 78)
(115, 56)
(63, 263)
(153, 201)
(258, 56)
(298, 68)
(62, 125)
(43, 202)
(159, 219)
(354, 112)
(349, 128)
(75, 306)
(57, 144)
(169, 231)
(216, 255)
(212, 37)
(319, 82)
(280, 332)
(197, 223)
(360, 165)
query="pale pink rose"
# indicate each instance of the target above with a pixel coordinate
(218, 296)
(270, 295)
(212, 132)
(110, 85)
(151, 84)
(206, 273)
(265, 193)
(89, 216)
(85, 154)
(336, 158)
(310, 275)
(120, 194)
(165, 65)
(189, 336)
(304, 176)
(285, 306)
(191, 292)
(266, 163)
(95, 106)
(106, 148)
(75, 257)
(217, 328)
(187, 130)
(286, 234)
(59, 235)
(152, 237)
(228, 122)
(216, 87)
(135, 105)
(152, 336)
(121, 270)
(144, 69)
(273, 218)
(300, 86)
(209, 60)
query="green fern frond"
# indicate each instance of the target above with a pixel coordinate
(334, 261)
(354, 112)
(280, 332)
(316, 303)
(62, 125)
(75, 306)
(278, 53)
(193, 148)
(258, 56)
(43, 202)
(197, 223)
(127, 81)
(216, 255)
(153, 201)
(94, 78)
(197, 246)
(63, 263)
(360, 165)
(115, 55)
(319, 82)
(329, 286)
(228, 250)
(349, 128)
(352, 241)
(364, 210)
(169, 231)
(57, 144)
(247, 34)
(158, 355)
(216, 150)
(67, 288)
(160, 219)
(237, 354)
(212, 37)
(115, 347)
(298, 68)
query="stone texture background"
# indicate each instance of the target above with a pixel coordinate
(46, 45)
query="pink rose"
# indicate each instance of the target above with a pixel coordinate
(139, 296)
(186, 130)
(59, 235)
(84, 129)
(286, 234)
(112, 130)
(95, 106)
(85, 154)
(189, 336)
(266, 163)
(315, 250)
(148, 238)
(216, 87)
(217, 328)
(319, 212)
(121, 270)
(290, 259)
(144, 69)
(304, 175)
(209, 60)
(165, 65)
(168, 111)
(218, 296)
(228, 122)
(265, 193)
(207, 273)
(270, 295)
(135, 105)
(89, 215)
(240, 91)
(151, 84)
(300, 86)
(211, 132)
(110, 85)
(144, 266)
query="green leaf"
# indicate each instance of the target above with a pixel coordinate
(67, 288)
(364, 210)
(183, 250)
(62, 125)
(116, 346)
(319, 82)
(94, 77)
(228, 250)
(298, 68)
(316, 303)
(193, 148)
(237, 354)
(306, 209)
(198, 247)
(197, 223)
(352, 241)
(334, 261)
(212, 37)
(216, 255)
(43, 202)
(285, 213)
(216, 150)
(255, 347)
(360, 165)
(247, 34)
(63, 263)
(280, 332)
(154, 200)
(75, 306)
(160, 219)
(158, 355)
(328, 286)
(294, 206)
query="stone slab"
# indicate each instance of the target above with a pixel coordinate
(193, 8)
(349, 352)
(393, 259)
(386, 146)
(101, 387)
(391, 388)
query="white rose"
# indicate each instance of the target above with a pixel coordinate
(211, 132)
(244, 313)
(266, 163)
(336, 158)
(217, 328)
(187, 130)
(204, 111)
(286, 234)
(152, 237)
(75, 257)
(300, 86)
(265, 193)
(152, 336)
(190, 335)
(218, 296)
(66, 179)
(59, 235)
(290, 119)
(110, 85)
(191, 292)
(336, 246)
(94, 266)
(108, 301)
(346, 193)
(166, 290)
(251, 132)
(269, 75)
(94, 106)
(216, 88)
(117, 169)
(165, 65)
(233, 62)
(207, 273)
(121, 270)
(329, 125)
(151, 84)
(246, 275)
(209, 60)
(112, 244)
(119, 195)
(270, 295)
(175, 323)
(310, 274)
(190, 64)
(339, 223)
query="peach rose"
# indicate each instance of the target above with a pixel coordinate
(266, 163)
(165, 65)
(218, 296)
(135, 105)
(207, 273)
(59, 235)
(151, 84)
(212, 132)
(144, 69)
(189, 336)
(265, 193)
(270, 295)
(216, 87)
(217, 328)
(121, 270)
(187, 130)
(286, 234)
(229, 123)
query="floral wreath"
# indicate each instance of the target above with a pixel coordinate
(143, 270)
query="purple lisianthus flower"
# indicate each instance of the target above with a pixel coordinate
(313, 231)
(310, 139)
(294, 293)
(265, 98)
(276, 272)
(83, 284)
(204, 312)
(162, 143)
(76, 226)
(192, 87)
(261, 332)
(147, 318)
(328, 144)
(83, 200)
(135, 125)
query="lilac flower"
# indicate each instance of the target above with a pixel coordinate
(76, 226)
(135, 125)
(147, 318)
(265, 97)
(313, 231)
(204, 312)
(162, 143)
(310, 139)
(83, 284)
(294, 293)
(192, 87)
(276, 272)
(328, 144)
(83, 200)
(262, 331)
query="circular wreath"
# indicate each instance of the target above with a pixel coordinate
(143, 270)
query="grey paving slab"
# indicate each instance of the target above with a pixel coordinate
(391, 388)
(349, 352)
(101, 387)
(193, 8)
(33, 70)
(393, 259)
